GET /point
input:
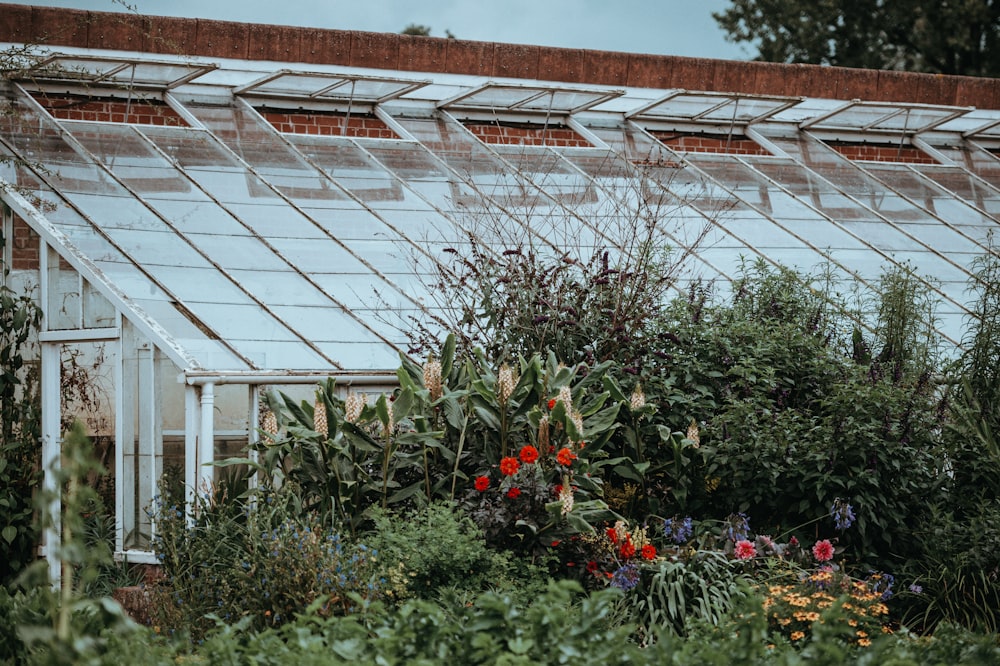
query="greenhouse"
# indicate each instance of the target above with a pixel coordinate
(201, 224)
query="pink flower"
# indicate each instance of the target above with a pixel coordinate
(745, 550)
(823, 551)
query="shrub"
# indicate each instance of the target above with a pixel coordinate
(265, 562)
(421, 552)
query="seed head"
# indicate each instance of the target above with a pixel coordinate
(320, 424)
(353, 405)
(432, 378)
(505, 384)
(638, 399)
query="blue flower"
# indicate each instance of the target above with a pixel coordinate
(626, 577)
(678, 530)
(842, 513)
(738, 526)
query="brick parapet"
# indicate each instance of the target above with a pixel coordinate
(227, 39)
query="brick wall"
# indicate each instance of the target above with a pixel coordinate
(328, 124)
(208, 39)
(110, 110)
(24, 246)
(709, 143)
(880, 152)
(520, 134)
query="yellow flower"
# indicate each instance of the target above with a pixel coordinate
(864, 642)
(797, 635)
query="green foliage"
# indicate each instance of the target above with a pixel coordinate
(797, 416)
(912, 35)
(424, 551)
(59, 625)
(20, 430)
(957, 564)
(513, 293)
(674, 593)
(264, 561)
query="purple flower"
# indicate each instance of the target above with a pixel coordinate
(678, 530)
(842, 513)
(916, 589)
(737, 526)
(626, 577)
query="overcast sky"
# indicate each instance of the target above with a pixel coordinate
(667, 27)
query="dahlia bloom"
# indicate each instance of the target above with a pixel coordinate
(745, 550)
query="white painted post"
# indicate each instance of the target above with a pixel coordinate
(192, 425)
(146, 474)
(206, 444)
(120, 430)
(125, 428)
(51, 455)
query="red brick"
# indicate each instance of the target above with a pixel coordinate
(606, 68)
(561, 64)
(515, 60)
(222, 39)
(896, 86)
(474, 58)
(376, 50)
(423, 54)
(16, 23)
(982, 93)
(649, 71)
(24, 249)
(60, 26)
(328, 47)
(168, 34)
(274, 42)
(117, 31)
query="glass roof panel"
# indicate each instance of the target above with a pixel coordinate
(340, 87)
(123, 72)
(712, 107)
(878, 116)
(557, 100)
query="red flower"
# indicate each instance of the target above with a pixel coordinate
(628, 548)
(649, 552)
(514, 492)
(557, 489)
(793, 542)
(612, 535)
(509, 466)
(565, 457)
(745, 550)
(592, 567)
(529, 454)
(823, 551)
(552, 403)
(482, 483)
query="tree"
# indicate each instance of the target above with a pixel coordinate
(946, 37)
(422, 31)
